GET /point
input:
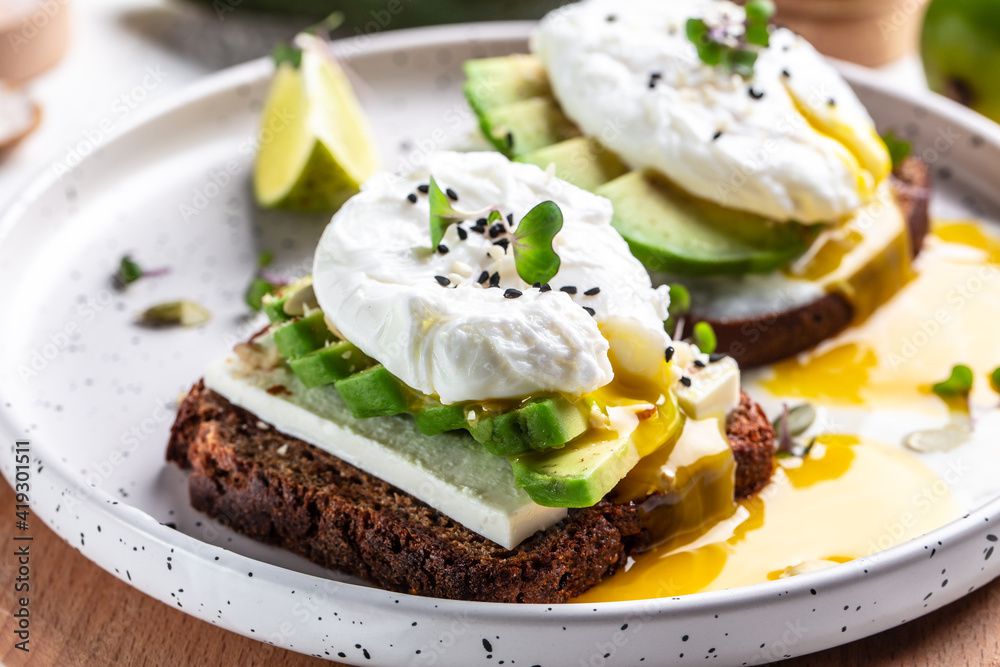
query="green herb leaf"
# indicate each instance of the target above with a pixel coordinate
(680, 301)
(494, 217)
(680, 304)
(704, 337)
(711, 53)
(958, 385)
(697, 31)
(739, 54)
(286, 53)
(442, 213)
(759, 10)
(995, 380)
(758, 34)
(256, 291)
(741, 62)
(534, 258)
(899, 149)
(128, 272)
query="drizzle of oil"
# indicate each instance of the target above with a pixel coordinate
(848, 499)
(941, 318)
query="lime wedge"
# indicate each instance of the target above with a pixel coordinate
(316, 147)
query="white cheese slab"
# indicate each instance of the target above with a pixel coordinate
(451, 472)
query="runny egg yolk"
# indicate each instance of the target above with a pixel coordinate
(847, 499)
(864, 152)
(940, 318)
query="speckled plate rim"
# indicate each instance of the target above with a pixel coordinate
(141, 525)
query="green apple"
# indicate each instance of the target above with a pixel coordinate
(960, 45)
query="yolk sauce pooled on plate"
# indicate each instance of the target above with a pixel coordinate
(946, 315)
(846, 500)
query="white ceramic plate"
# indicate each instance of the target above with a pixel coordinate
(94, 394)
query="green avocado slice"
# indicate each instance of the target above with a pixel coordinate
(667, 229)
(577, 475)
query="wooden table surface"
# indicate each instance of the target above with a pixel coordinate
(82, 615)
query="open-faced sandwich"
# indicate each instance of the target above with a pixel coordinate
(472, 396)
(739, 163)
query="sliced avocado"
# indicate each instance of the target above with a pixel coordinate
(329, 364)
(374, 392)
(438, 418)
(542, 423)
(577, 475)
(303, 335)
(582, 161)
(521, 127)
(671, 231)
(493, 82)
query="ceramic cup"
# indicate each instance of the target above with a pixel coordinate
(33, 36)
(867, 32)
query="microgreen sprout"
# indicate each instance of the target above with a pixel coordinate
(899, 149)
(129, 271)
(733, 50)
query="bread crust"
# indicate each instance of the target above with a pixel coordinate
(283, 491)
(778, 335)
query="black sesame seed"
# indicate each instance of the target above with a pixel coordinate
(503, 243)
(654, 78)
(712, 358)
(481, 222)
(593, 291)
(668, 354)
(496, 230)
(686, 381)
(785, 73)
(495, 280)
(442, 248)
(831, 102)
(442, 281)
(423, 189)
(545, 288)
(589, 310)
(755, 94)
(483, 277)
(412, 198)
(451, 194)
(536, 285)
(510, 140)
(717, 134)
(569, 289)
(611, 18)
(699, 363)
(462, 234)
(510, 219)
(511, 293)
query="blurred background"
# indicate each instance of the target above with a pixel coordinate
(73, 72)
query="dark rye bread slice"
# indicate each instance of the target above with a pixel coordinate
(281, 490)
(769, 337)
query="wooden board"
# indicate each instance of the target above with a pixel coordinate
(81, 615)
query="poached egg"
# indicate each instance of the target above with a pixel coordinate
(432, 318)
(792, 143)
